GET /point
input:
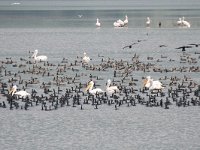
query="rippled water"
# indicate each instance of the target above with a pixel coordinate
(128, 128)
(61, 33)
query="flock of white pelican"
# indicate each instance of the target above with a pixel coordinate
(67, 83)
(183, 23)
(110, 89)
(70, 86)
(120, 23)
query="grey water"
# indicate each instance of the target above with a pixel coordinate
(65, 28)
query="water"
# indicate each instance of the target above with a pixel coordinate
(56, 30)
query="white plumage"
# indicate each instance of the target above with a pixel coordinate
(179, 22)
(21, 93)
(120, 22)
(86, 59)
(148, 22)
(126, 20)
(185, 23)
(116, 24)
(93, 91)
(38, 58)
(111, 89)
(152, 85)
(98, 24)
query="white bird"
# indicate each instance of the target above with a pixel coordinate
(148, 22)
(185, 23)
(116, 24)
(86, 59)
(38, 58)
(126, 20)
(80, 16)
(179, 22)
(98, 24)
(146, 82)
(152, 85)
(111, 89)
(120, 22)
(22, 94)
(91, 90)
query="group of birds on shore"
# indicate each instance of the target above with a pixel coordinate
(122, 89)
(122, 23)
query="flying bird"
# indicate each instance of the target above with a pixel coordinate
(184, 47)
(129, 46)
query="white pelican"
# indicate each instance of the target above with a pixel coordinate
(185, 23)
(116, 24)
(39, 58)
(179, 22)
(148, 22)
(111, 89)
(91, 90)
(152, 85)
(98, 24)
(126, 20)
(21, 93)
(120, 22)
(146, 82)
(86, 59)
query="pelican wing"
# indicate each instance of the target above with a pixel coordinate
(95, 91)
(22, 93)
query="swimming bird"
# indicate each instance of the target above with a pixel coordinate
(116, 24)
(179, 22)
(148, 22)
(111, 89)
(91, 90)
(98, 24)
(126, 20)
(39, 58)
(21, 93)
(120, 22)
(152, 85)
(86, 59)
(146, 82)
(185, 23)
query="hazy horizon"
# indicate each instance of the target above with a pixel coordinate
(97, 4)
